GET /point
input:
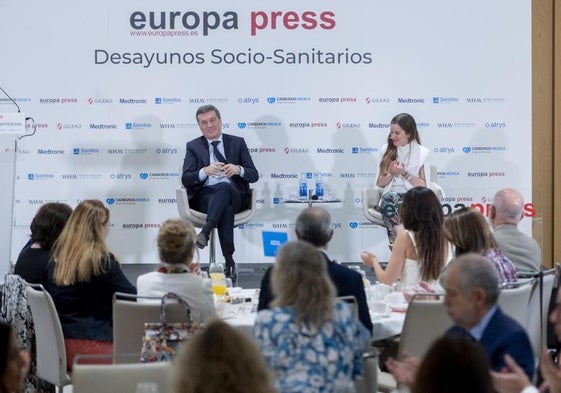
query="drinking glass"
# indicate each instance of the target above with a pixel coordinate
(219, 285)
(216, 271)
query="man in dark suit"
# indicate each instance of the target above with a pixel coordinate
(314, 226)
(217, 170)
(472, 290)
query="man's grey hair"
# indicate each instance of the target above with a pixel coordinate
(314, 226)
(477, 272)
(509, 204)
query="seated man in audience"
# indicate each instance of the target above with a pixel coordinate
(472, 290)
(514, 379)
(314, 226)
(507, 210)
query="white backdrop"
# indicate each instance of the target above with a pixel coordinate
(311, 88)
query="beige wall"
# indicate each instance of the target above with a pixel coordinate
(546, 123)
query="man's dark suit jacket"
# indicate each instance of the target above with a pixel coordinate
(197, 156)
(347, 282)
(501, 336)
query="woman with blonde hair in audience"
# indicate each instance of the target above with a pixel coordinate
(421, 250)
(178, 273)
(467, 229)
(312, 341)
(82, 279)
(219, 359)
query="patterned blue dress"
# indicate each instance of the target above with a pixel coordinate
(311, 361)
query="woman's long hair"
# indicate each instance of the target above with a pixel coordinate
(300, 280)
(176, 242)
(468, 231)
(80, 251)
(421, 213)
(408, 124)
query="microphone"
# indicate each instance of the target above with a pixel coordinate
(11, 99)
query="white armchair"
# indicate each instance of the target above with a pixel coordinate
(371, 198)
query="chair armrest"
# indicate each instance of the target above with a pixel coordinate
(371, 197)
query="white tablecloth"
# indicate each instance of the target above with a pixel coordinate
(243, 317)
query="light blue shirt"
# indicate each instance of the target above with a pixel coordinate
(477, 330)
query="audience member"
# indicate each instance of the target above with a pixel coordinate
(310, 340)
(221, 359)
(468, 231)
(472, 290)
(453, 364)
(513, 379)
(314, 226)
(507, 210)
(402, 167)
(178, 273)
(217, 171)
(420, 251)
(14, 364)
(83, 279)
(45, 228)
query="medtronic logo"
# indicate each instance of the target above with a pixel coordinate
(330, 151)
(50, 151)
(378, 125)
(133, 101)
(103, 126)
(411, 100)
(284, 176)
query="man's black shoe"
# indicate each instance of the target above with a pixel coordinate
(202, 240)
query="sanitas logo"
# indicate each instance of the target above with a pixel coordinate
(364, 150)
(137, 126)
(444, 100)
(40, 176)
(100, 101)
(85, 151)
(165, 100)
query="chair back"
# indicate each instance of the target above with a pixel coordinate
(93, 374)
(51, 351)
(426, 320)
(514, 301)
(537, 311)
(129, 317)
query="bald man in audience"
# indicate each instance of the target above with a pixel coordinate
(472, 290)
(507, 210)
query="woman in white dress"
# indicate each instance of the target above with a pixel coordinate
(178, 273)
(402, 167)
(421, 250)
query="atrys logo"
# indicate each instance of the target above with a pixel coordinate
(495, 124)
(444, 149)
(166, 150)
(248, 100)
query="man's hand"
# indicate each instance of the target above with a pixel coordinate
(230, 170)
(195, 268)
(550, 372)
(404, 371)
(512, 379)
(215, 169)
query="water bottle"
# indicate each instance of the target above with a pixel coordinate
(303, 187)
(319, 187)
